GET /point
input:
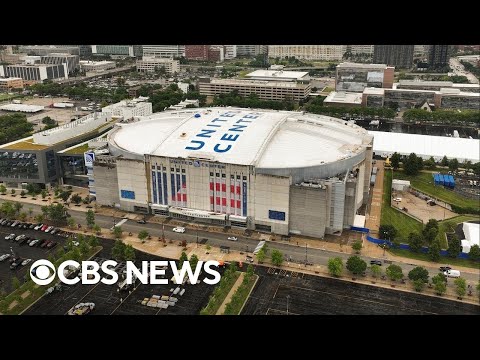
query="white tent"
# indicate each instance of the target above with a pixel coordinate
(472, 236)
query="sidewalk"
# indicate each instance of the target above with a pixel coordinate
(234, 288)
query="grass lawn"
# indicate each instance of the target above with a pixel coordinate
(403, 223)
(443, 259)
(219, 294)
(457, 220)
(328, 89)
(424, 182)
(5, 97)
(240, 296)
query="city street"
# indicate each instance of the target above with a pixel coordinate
(459, 70)
(298, 254)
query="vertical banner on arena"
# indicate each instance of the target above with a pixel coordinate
(172, 185)
(184, 190)
(212, 194)
(154, 187)
(244, 198)
(165, 189)
(238, 205)
(159, 187)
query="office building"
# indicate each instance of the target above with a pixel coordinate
(400, 56)
(35, 73)
(164, 51)
(72, 61)
(117, 50)
(151, 64)
(97, 66)
(230, 52)
(307, 52)
(7, 84)
(356, 77)
(42, 50)
(251, 50)
(438, 56)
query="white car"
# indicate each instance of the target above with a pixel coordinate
(34, 242)
(26, 262)
(179, 229)
(397, 199)
(20, 237)
(15, 223)
(232, 238)
(10, 237)
(4, 257)
(38, 227)
(75, 243)
(50, 228)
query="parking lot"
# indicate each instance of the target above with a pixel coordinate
(313, 295)
(419, 207)
(23, 251)
(110, 300)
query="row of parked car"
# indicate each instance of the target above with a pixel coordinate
(20, 225)
(15, 262)
(31, 241)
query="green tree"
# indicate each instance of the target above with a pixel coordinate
(75, 254)
(412, 164)
(444, 161)
(356, 265)
(23, 193)
(261, 255)
(64, 195)
(395, 160)
(440, 287)
(193, 262)
(18, 207)
(129, 253)
(434, 251)
(117, 232)
(418, 285)
(460, 287)
(376, 270)
(57, 213)
(357, 246)
(250, 271)
(118, 250)
(76, 199)
(415, 241)
(431, 224)
(90, 216)
(22, 216)
(394, 272)
(335, 266)
(430, 163)
(13, 191)
(93, 241)
(44, 194)
(474, 253)
(84, 248)
(30, 212)
(8, 209)
(15, 283)
(418, 273)
(142, 235)
(454, 246)
(39, 218)
(388, 232)
(276, 257)
(70, 222)
(3, 189)
(183, 257)
(97, 229)
(453, 164)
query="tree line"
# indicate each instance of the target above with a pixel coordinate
(442, 116)
(14, 127)
(316, 106)
(251, 101)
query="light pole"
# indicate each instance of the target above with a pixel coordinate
(288, 298)
(197, 236)
(305, 254)
(163, 230)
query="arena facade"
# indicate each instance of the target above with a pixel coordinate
(279, 171)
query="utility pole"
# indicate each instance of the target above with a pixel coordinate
(305, 254)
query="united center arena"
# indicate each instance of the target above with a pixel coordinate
(279, 171)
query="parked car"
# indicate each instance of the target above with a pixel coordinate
(141, 221)
(4, 257)
(444, 268)
(48, 229)
(23, 241)
(397, 199)
(53, 231)
(15, 223)
(20, 237)
(26, 262)
(232, 238)
(32, 226)
(44, 227)
(44, 243)
(51, 244)
(179, 229)
(16, 264)
(41, 242)
(249, 259)
(4, 221)
(38, 227)
(10, 237)
(376, 262)
(33, 242)
(452, 273)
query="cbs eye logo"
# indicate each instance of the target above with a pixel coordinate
(42, 272)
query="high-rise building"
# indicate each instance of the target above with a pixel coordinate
(420, 51)
(72, 61)
(400, 56)
(360, 49)
(438, 55)
(150, 64)
(33, 73)
(307, 52)
(196, 52)
(164, 51)
(41, 50)
(117, 50)
(251, 50)
(230, 52)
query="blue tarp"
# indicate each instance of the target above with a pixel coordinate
(441, 179)
(436, 179)
(451, 181)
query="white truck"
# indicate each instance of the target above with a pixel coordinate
(63, 105)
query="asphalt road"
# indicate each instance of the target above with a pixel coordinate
(459, 70)
(247, 245)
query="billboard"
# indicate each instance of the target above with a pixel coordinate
(89, 158)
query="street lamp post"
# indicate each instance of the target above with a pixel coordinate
(163, 231)
(288, 298)
(305, 254)
(197, 236)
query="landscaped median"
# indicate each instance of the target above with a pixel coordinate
(24, 296)
(240, 297)
(221, 291)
